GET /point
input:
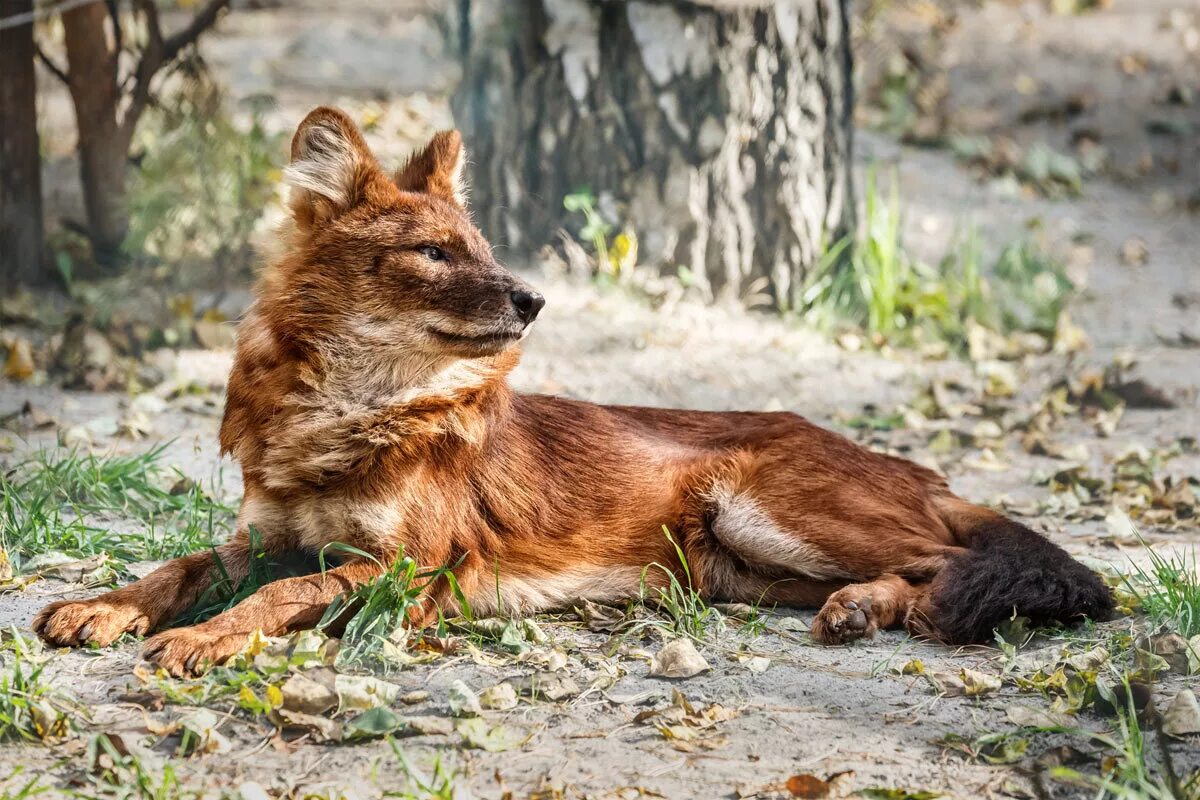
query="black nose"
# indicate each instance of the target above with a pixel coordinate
(527, 304)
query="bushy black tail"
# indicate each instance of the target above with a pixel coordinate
(1009, 567)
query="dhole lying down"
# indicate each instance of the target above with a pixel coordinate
(368, 405)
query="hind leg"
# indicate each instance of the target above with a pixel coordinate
(860, 609)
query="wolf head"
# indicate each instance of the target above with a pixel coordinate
(389, 264)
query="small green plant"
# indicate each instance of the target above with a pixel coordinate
(1168, 589)
(1035, 287)
(119, 776)
(378, 610)
(15, 787)
(687, 611)
(615, 261)
(46, 503)
(896, 92)
(435, 784)
(1128, 775)
(203, 182)
(871, 281)
(224, 593)
(29, 709)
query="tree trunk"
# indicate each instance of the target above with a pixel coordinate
(105, 131)
(103, 141)
(719, 132)
(20, 159)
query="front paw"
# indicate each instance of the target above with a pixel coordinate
(188, 652)
(842, 620)
(72, 623)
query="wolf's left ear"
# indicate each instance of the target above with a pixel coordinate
(438, 169)
(332, 168)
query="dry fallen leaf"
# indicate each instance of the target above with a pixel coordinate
(431, 726)
(804, 786)
(757, 664)
(1132, 63)
(600, 618)
(299, 723)
(201, 726)
(500, 697)
(1182, 717)
(682, 722)
(1134, 251)
(480, 734)
(967, 682)
(302, 693)
(1027, 716)
(807, 786)
(463, 701)
(678, 659)
(545, 687)
(19, 364)
(358, 693)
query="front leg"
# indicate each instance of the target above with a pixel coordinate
(143, 605)
(277, 608)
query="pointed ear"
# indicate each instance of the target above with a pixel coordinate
(331, 167)
(438, 169)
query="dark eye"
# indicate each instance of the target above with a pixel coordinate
(433, 253)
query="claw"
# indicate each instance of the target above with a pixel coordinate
(85, 634)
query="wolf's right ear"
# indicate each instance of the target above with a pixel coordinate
(331, 168)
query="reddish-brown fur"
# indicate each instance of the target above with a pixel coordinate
(368, 405)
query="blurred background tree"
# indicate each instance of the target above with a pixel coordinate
(20, 161)
(112, 59)
(108, 104)
(723, 129)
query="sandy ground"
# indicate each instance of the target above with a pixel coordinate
(813, 710)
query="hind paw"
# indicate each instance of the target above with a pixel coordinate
(845, 618)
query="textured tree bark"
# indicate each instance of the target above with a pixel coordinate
(720, 132)
(103, 142)
(20, 161)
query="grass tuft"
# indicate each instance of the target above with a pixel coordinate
(687, 611)
(436, 784)
(120, 775)
(224, 594)
(15, 787)
(870, 280)
(1168, 589)
(1129, 773)
(48, 503)
(378, 610)
(29, 708)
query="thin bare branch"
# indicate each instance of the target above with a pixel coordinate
(203, 20)
(49, 64)
(161, 51)
(114, 14)
(149, 64)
